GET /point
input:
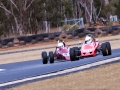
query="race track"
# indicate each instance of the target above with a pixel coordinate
(17, 71)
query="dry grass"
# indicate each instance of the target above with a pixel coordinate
(105, 77)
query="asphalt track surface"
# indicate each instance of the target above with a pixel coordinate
(21, 70)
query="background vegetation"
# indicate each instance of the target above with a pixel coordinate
(21, 17)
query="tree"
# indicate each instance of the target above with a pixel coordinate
(88, 6)
(27, 16)
(16, 9)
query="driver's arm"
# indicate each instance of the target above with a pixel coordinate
(64, 44)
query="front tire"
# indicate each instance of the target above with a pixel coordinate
(72, 54)
(45, 58)
(77, 53)
(51, 55)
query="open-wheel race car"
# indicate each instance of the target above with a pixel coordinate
(91, 47)
(61, 53)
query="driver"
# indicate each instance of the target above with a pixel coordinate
(61, 43)
(89, 39)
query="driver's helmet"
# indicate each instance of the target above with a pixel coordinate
(60, 43)
(88, 39)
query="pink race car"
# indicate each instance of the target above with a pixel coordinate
(61, 53)
(91, 47)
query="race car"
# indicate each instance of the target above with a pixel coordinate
(61, 53)
(91, 47)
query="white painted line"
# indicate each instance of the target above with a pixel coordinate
(64, 71)
(2, 70)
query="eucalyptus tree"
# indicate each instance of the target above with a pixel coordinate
(17, 10)
(88, 7)
(27, 16)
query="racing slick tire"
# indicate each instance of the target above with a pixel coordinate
(109, 48)
(51, 55)
(45, 58)
(77, 53)
(72, 54)
(104, 49)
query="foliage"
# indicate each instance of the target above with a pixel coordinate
(69, 27)
(27, 16)
(110, 23)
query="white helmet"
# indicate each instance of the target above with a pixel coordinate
(60, 44)
(88, 39)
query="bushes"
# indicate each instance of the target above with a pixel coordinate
(71, 27)
(110, 24)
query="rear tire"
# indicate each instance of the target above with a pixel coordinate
(109, 48)
(104, 49)
(72, 54)
(51, 55)
(45, 58)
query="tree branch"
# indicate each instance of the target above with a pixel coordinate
(89, 12)
(100, 9)
(3, 7)
(29, 5)
(14, 4)
(84, 5)
(25, 4)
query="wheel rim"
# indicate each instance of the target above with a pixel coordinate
(107, 50)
